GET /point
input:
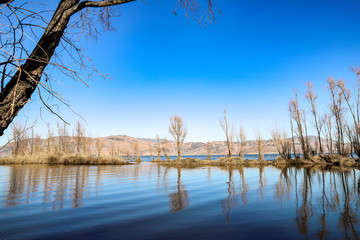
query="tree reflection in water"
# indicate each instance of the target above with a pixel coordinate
(322, 199)
(283, 186)
(331, 197)
(59, 186)
(348, 218)
(232, 200)
(243, 186)
(179, 200)
(305, 210)
(318, 192)
(56, 183)
(262, 181)
(323, 232)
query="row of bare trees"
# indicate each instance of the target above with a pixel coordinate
(25, 141)
(332, 125)
(178, 130)
(60, 141)
(337, 131)
(233, 136)
(339, 126)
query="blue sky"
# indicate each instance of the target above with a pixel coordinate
(248, 62)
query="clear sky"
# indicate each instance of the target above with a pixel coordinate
(248, 62)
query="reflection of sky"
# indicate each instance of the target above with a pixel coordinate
(249, 62)
(212, 202)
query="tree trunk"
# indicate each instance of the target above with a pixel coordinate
(229, 148)
(21, 86)
(320, 146)
(178, 150)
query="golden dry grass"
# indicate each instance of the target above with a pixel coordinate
(155, 160)
(237, 161)
(68, 159)
(224, 161)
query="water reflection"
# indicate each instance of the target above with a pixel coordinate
(56, 184)
(232, 200)
(179, 199)
(348, 218)
(65, 185)
(319, 195)
(320, 201)
(262, 181)
(284, 185)
(304, 208)
(338, 192)
(243, 186)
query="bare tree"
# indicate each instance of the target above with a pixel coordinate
(126, 153)
(337, 110)
(49, 138)
(37, 143)
(18, 132)
(208, 150)
(136, 151)
(298, 115)
(282, 143)
(241, 139)
(296, 155)
(118, 152)
(79, 135)
(86, 142)
(112, 150)
(23, 69)
(99, 146)
(232, 138)
(350, 134)
(352, 99)
(31, 142)
(260, 145)
(178, 130)
(314, 149)
(158, 147)
(165, 146)
(63, 138)
(311, 97)
(229, 133)
(328, 132)
(151, 151)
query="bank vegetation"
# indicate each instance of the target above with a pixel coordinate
(27, 147)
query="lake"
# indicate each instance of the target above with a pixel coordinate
(266, 157)
(148, 201)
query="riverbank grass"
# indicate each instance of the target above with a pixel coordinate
(332, 160)
(223, 161)
(66, 159)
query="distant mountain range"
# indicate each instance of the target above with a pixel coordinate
(124, 143)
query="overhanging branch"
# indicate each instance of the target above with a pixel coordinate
(5, 1)
(96, 4)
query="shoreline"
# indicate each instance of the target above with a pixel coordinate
(78, 159)
(324, 160)
(63, 159)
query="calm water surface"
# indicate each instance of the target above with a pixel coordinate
(148, 201)
(214, 157)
